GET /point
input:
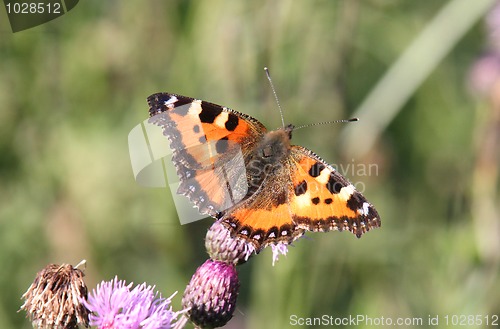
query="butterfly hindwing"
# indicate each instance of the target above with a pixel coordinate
(264, 217)
(305, 194)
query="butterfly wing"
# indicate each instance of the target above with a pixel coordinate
(209, 144)
(324, 200)
(265, 217)
(305, 194)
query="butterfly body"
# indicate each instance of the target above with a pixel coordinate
(263, 188)
(267, 159)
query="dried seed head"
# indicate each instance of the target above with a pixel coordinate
(54, 299)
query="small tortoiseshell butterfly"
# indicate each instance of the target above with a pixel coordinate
(262, 188)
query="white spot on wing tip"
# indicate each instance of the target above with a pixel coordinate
(171, 100)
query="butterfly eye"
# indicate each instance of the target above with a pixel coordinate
(267, 151)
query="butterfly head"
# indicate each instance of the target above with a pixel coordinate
(288, 129)
(275, 144)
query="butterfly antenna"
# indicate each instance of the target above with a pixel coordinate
(327, 122)
(275, 95)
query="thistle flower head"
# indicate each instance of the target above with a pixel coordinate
(115, 305)
(221, 246)
(210, 297)
(54, 299)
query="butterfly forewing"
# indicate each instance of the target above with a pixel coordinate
(209, 143)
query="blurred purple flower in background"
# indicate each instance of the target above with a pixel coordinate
(493, 27)
(484, 74)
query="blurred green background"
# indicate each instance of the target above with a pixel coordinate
(72, 89)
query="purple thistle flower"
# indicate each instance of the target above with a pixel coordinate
(221, 246)
(210, 297)
(115, 306)
(279, 248)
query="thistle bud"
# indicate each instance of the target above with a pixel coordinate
(210, 296)
(221, 246)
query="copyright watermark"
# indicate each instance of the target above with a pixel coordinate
(25, 14)
(459, 320)
(353, 320)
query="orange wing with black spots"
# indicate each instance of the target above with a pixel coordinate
(304, 193)
(323, 200)
(209, 144)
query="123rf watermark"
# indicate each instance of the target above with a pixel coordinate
(458, 320)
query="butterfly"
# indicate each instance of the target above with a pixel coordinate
(261, 187)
